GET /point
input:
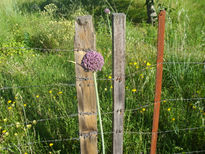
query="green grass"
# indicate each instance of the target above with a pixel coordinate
(184, 42)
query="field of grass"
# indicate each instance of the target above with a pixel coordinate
(35, 113)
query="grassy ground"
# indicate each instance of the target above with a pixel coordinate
(22, 107)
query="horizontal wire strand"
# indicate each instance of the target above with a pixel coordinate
(32, 86)
(199, 151)
(43, 49)
(159, 132)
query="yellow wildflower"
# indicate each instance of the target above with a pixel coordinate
(51, 144)
(169, 109)
(110, 77)
(6, 134)
(15, 134)
(14, 102)
(164, 101)
(134, 90)
(9, 108)
(34, 122)
(111, 87)
(25, 153)
(37, 96)
(5, 120)
(25, 105)
(143, 109)
(17, 125)
(173, 119)
(28, 126)
(50, 91)
(15, 97)
(60, 92)
(4, 131)
(135, 63)
(105, 89)
(148, 64)
(130, 63)
(9, 101)
(137, 67)
(194, 107)
(142, 76)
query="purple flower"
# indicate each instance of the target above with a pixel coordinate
(92, 61)
(107, 11)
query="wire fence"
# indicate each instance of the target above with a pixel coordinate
(149, 104)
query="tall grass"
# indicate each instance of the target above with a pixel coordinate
(21, 108)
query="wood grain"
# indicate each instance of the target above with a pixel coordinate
(118, 52)
(85, 40)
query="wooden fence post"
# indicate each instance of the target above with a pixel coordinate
(87, 108)
(160, 52)
(118, 62)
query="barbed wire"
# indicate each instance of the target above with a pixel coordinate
(152, 103)
(44, 141)
(200, 151)
(42, 120)
(42, 49)
(111, 112)
(199, 63)
(154, 65)
(126, 132)
(32, 86)
(166, 131)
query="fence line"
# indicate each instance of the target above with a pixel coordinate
(154, 66)
(43, 49)
(159, 132)
(111, 112)
(44, 141)
(167, 131)
(126, 132)
(201, 151)
(31, 86)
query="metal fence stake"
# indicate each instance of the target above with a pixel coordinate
(160, 49)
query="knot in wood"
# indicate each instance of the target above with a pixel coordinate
(119, 79)
(83, 20)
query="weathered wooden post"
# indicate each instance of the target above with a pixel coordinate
(87, 109)
(118, 55)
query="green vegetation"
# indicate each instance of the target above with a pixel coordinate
(50, 25)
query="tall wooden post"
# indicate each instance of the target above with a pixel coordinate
(87, 109)
(160, 53)
(118, 53)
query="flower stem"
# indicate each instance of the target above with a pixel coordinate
(108, 22)
(99, 113)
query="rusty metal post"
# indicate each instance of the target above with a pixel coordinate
(160, 51)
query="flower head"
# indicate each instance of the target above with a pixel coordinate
(107, 11)
(92, 61)
(134, 90)
(51, 144)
